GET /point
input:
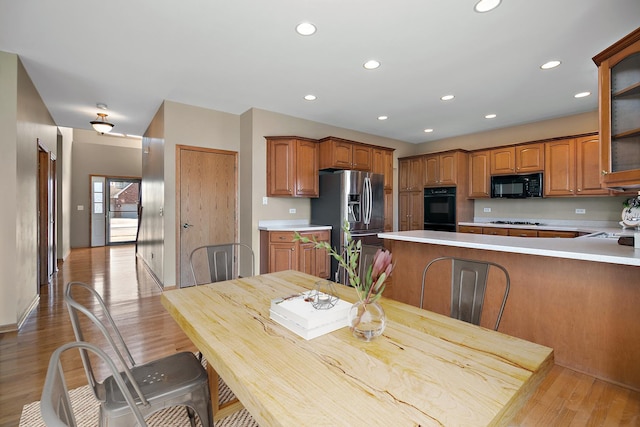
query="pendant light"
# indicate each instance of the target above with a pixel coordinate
(100, 124)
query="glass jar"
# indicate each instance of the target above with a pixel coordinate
(367, 320)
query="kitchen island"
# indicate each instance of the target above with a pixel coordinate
(579, 296)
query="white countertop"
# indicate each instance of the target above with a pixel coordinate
(581, 248)
(290, 225)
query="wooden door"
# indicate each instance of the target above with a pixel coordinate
(207, 188)
(306, 169)
(431, 171)
(46, 216)
(503, 160)
(447, 170)
(479, 174)
(280, 178)
(559, 179)
(529, 158)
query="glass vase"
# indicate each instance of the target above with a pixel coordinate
(367, 320)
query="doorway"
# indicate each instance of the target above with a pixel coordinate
(115, 203)
(207, 199)
(46, 215)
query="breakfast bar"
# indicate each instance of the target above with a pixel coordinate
(579, 296)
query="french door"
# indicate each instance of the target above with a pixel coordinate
(115, 203)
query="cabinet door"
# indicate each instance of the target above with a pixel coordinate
(503, 160)
(619, 98)
(306, 167)
(388, 210)
(417, 208)
(282, 257)
(470, 229)
(529, 158)
(588, 166)
(410, 174)
(518, 232)
(431, 171)
(479, 174)
(447, 169)
(362, 157)
(307, 258)
(404, 210)
(560, 171)
(383, 163)
(495, 231)
(280, 173)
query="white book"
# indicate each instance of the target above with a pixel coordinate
(298, 308)
(308, 334)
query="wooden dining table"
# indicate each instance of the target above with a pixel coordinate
(424, 370)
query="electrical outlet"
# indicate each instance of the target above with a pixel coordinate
(486, 210)
(581, 211)
(265, 200)
(292, 211)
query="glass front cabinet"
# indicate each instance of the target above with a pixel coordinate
(619, 104)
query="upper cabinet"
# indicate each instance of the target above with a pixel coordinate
(292, 167)
(410, 173)
(338, 153)
(571, 167)
(619, 102)
(442, 169)
(383, 163)
(479, 174)
(524, 158)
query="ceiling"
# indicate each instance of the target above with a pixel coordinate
(233, 55)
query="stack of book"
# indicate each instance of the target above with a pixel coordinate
(296, 313)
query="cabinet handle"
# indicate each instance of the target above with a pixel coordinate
(604, 172)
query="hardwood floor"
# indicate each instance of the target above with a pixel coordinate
(565, 398)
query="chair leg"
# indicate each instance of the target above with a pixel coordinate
(192, 416)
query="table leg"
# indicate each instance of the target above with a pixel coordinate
(220, 410)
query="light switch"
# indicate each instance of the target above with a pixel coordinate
(80, 207)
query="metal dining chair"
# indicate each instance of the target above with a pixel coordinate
(175, 380)
(55, 403)
(216, 263)
(468, 287)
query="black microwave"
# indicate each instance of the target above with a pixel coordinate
(516, 186)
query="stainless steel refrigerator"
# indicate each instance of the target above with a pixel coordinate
(357, 197)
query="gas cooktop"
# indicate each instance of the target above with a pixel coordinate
(516, 222)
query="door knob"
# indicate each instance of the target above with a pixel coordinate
(186, 225)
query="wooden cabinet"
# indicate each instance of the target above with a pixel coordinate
(410, 210)
(523, 158)
(522, 232)
(338, 153)
(292, 167)
(469, 229)
(559, 233)
(441, 169)
(571, 167)
(495, 231)
(280, 252)
(388, 210)
(480, 174)
(383, 163)
(619, 103)
(410, 173)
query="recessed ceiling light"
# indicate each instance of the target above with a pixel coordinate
(305, 28)
(371, 64)
(310, 97)
(383, 117)
(428, 130)
(490, 116)
(486, 5)
(581, 94)
(447, 97)
(550, 64)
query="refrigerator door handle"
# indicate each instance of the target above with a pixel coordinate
(367, 200)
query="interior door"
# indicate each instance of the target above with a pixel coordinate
(207, 202)
(46, 216)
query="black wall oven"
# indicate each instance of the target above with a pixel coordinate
(440, 209)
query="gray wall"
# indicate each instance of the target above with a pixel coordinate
(24, 119)
(93, 154)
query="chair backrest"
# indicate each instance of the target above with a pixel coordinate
(55, 404)
(468, 287)
(216, 263)
(73, 294)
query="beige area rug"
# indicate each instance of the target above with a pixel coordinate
(85, 409)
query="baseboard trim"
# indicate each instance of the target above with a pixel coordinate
(32, 307)
(151, 273)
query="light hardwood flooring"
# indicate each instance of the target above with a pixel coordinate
(565, 398)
